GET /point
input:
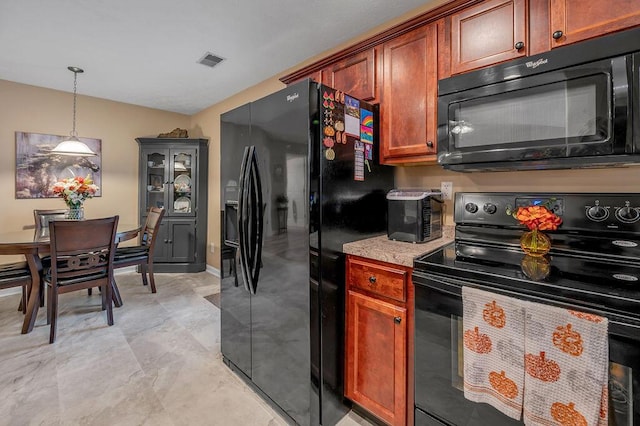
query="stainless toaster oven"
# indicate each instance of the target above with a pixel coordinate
(414, 216)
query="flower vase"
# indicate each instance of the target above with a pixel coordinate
(536, 268)
(535, 243)
(75, 213)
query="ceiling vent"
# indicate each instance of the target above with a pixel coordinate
(210, 60)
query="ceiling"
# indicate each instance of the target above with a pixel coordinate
(146, 52)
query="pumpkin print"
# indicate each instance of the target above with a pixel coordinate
(543, 369)
(604, 402)
(493, 314)
(586, 316)
(566, 415)
(477, 342)
(503, 385)
(568, 340)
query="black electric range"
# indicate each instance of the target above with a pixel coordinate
(593, 266)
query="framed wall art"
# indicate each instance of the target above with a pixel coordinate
(37, 169)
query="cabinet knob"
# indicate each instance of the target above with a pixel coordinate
(372, 279)
(557, 34)
(519, 45)
(169, 241)
(397, 320)
(166, 241)
(430, 144)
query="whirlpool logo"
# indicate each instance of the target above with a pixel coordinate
(536, 64)
(292, 97)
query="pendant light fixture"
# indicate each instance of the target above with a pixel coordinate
(72, 145)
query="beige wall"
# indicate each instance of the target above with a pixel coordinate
(38, 110)
(33, 109)
(580, 180)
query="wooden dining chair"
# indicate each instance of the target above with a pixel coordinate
(142, 254)
(43, 217)
(81, 257)
(20, 274)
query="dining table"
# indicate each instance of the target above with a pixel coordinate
(39, 239)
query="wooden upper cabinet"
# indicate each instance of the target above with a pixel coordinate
(315, 76)
(576, 20)
(409, 97)
(355, 75)
(491, 32)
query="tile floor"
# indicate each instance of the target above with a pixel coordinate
(160, 364)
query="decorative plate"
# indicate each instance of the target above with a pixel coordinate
(182, 205)
(182, 183)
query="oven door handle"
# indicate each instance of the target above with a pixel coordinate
(618, 324)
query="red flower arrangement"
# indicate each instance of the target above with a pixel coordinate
(74, 191)
(538, 217)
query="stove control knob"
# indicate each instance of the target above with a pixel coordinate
(471, 207)
(627, 214)
(597, 213)
(490, 208)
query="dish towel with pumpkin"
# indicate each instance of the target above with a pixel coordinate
(493, 350)
(566, 365)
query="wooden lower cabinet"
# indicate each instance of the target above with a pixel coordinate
(379, 330)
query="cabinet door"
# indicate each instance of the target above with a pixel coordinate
(575, 20)
(409, 97)
(183, 181)
(315, 76)
(491, 32)
(155, 167)
(376, 358)
(181, 244)
(355, 75)
(161, 250)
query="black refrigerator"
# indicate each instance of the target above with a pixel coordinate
(299, 177)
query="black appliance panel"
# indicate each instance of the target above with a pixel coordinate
(235, 306)
(438, 352)
(571, 107)
(286, 332)
(280, 337)
(594, 266)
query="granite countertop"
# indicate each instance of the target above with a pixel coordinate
(400, 253)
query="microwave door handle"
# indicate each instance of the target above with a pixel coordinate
(257, 220)
(243, 220)
(621, 100)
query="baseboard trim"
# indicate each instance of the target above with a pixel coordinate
(10, 291)
(126, 270)
(213, 271)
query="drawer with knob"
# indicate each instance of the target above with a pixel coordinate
(378, 279)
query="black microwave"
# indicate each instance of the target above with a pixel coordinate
(575, 106)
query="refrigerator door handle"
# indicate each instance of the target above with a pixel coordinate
(243, 218)
(257, 221)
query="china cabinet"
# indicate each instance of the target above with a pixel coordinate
(173, 175)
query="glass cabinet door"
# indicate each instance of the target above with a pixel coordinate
(182, 182)
(156, 167)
